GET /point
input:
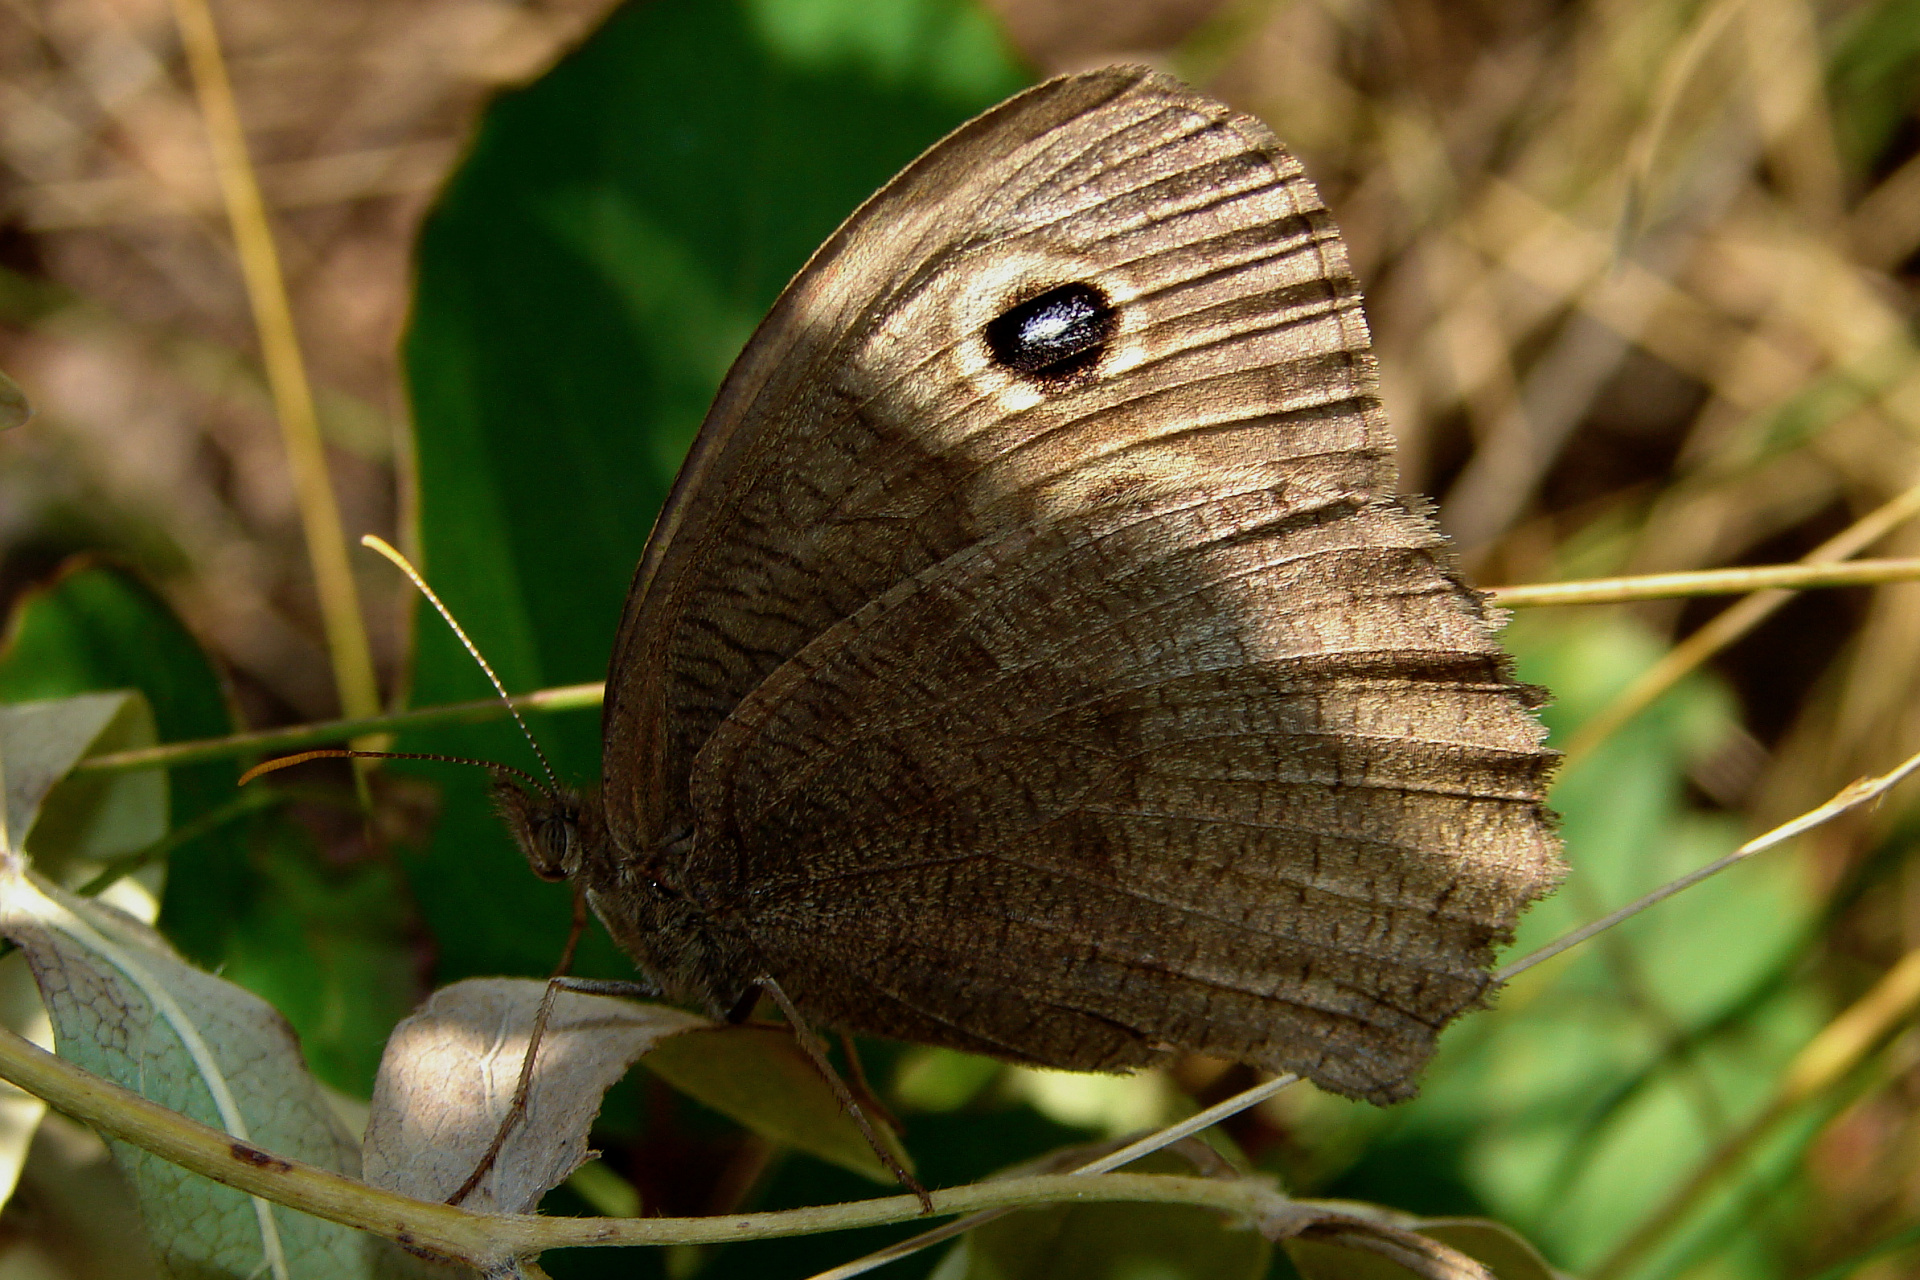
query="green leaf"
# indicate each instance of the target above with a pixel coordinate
(329, 941)
(759, 1077)
(930, 1079)
(616, 233)
(126, 1007)
(94, 627)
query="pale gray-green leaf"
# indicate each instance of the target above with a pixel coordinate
(69, 823)
(125, 1007)
(20, 1112)
(91, 817)
(449, 1074)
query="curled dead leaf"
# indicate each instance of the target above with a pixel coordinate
(448, 1077)
(1352, 1243)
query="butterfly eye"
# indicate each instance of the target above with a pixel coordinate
(554, 839)
(1054, 336)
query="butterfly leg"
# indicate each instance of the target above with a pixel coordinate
(857, 1073)
(517, 1109)
(817, 1053)
(559, 982)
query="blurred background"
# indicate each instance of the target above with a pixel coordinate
(1641, 275)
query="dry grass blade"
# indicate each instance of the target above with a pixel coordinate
(1730, 626)
(1705, 582)
(286, 369)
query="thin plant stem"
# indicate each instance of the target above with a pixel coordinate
(1729, 626)
(494, 1242)
(1850, 797)
(570, 697)
(1145, 1146)
(169, 755)
(1705, 582)
(286, 370)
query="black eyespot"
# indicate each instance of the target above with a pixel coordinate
(1055, 336)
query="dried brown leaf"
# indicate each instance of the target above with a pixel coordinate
(1357, 1242)
(448, 1077)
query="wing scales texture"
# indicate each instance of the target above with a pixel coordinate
(1084, 722)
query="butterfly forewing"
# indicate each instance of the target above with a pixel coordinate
(1033, 646)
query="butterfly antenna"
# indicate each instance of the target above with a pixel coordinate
(338, 753)
(386, 549)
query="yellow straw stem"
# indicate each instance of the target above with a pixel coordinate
(1706, 582)
(1729, 626)
(286, 371)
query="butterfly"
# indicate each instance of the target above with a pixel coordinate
(1032, 657)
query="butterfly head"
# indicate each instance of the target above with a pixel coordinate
(554, 827)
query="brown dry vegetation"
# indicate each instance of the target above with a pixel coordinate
(1641, 277)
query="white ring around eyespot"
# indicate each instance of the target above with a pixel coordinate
(999, 279)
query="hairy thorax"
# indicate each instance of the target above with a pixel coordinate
(673, 940)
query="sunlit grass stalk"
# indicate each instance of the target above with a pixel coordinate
(1705, 582)
(347, 646)
(1728, 627)
(1654, 586)
(1850, 797)
(173, 754)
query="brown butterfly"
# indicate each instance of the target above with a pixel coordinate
(1032, 657)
